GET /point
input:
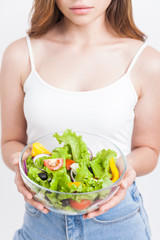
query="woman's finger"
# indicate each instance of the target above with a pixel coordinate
(15, 158)
(22, 188)
(120, 195)
(37, 205)
(26, 193)
(20, 185)
(127, 181)
(117, 198)
(128, 178)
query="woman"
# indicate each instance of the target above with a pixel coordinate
(83, 65)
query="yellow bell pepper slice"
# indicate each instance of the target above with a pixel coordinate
(77, 184)
(38, 148)
(114, 170)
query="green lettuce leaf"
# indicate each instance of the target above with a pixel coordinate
(78, 146)
(82, 173)
(33, 175)
(58, 178)
(100, 163)
(74, 148)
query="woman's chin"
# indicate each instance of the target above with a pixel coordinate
(81, 20)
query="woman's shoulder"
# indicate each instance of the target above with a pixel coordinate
(152, 56)
(145, 70)
(16, 55)
(150, 62)
(148, 69)
(16, 49)
(148, 59)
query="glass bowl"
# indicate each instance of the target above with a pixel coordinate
(50, 199)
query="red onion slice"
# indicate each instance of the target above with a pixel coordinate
(39, 156)
(91, 155)
(25, 167)
(71, 174)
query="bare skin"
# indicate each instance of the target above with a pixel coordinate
(76, 46)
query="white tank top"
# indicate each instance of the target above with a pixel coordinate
(107, 111)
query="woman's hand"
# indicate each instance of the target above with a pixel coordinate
(127, 181)
(28, 197)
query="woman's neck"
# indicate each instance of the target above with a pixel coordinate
(96, 32)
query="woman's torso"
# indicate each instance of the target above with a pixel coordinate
(68, 94)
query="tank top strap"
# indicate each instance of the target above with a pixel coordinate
(30, 52)
(136, 57)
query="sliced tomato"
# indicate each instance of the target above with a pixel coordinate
(84, 203)
(53, 164)
(69, 162)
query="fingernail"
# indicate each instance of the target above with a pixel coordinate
(45, 211)
(40, 208)
(125, 184)
(29, 197)
(15, 161)
(101, 209)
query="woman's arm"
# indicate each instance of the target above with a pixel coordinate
(146, 133)
(13, 122)
(14, 125)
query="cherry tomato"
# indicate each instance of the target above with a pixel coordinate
(80, 205)
(69, 162)
(53, 164)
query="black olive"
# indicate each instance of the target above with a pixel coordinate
(65, 202)
(97, 198)
(90, 169)
(43, 176)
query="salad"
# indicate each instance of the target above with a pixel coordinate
(71, 168)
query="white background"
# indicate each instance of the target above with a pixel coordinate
(13, 24)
